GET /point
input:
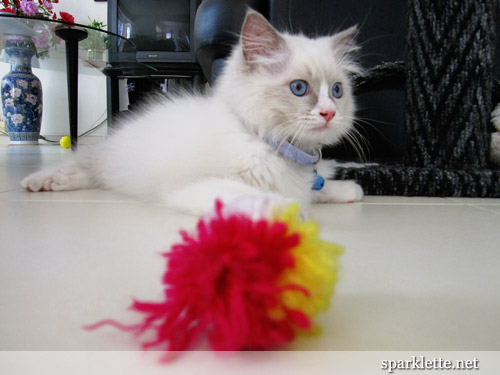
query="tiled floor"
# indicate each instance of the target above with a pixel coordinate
(417, 273)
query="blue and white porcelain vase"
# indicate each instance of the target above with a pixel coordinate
(21, 92)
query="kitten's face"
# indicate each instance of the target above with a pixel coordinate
(296, 88)
(312, 97)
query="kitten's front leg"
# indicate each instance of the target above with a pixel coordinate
(199, 197)
(336, 191)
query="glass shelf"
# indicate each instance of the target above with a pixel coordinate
(76, 49)
(101, 52)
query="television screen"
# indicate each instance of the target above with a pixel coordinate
(162, 32)
(156, 25)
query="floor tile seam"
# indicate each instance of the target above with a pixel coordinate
(70, 201)
(449, 202)
(12, 190)
(471, 203)
(409, 204)
(484, 208)
(6, 198)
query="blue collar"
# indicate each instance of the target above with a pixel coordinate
(296, 155)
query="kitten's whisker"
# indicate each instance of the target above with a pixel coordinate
(367, 120)
(356, 140)
(363, 122)
(284, 130)
(299, 131)
(361, 144)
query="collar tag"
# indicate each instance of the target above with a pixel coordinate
(318, 182)
(298, 156)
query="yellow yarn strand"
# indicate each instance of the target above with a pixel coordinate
(316, 266)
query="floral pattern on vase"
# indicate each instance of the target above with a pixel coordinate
(21, 91)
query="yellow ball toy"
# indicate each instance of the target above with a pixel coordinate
(65, 142)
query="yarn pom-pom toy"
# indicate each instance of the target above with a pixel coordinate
(245, 283)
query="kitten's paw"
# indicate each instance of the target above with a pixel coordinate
(67, 178)
(38, 181)
(339, 192)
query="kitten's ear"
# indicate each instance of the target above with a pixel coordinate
(344, 45)
(346, 40)
(261, 43)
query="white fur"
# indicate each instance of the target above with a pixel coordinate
(495, 137)
(188, 151)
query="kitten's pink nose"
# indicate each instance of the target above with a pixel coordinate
(328, 115)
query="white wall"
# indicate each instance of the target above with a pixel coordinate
(83, 9)
(91, 90)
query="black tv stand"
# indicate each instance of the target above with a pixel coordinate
(146, 80)
(169, 69)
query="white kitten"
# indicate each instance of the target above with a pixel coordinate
(278, 91)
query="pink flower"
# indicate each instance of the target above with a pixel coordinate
(15, 92)
(17, 119)
(41, 37)
(48, 5)
(31, 98)
(29, 7)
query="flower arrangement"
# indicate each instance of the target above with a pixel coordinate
(36, 9)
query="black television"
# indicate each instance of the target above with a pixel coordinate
(162, 31)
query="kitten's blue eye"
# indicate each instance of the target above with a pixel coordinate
(298, 87)
(337, 90)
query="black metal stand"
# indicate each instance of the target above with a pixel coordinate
(72, 36)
